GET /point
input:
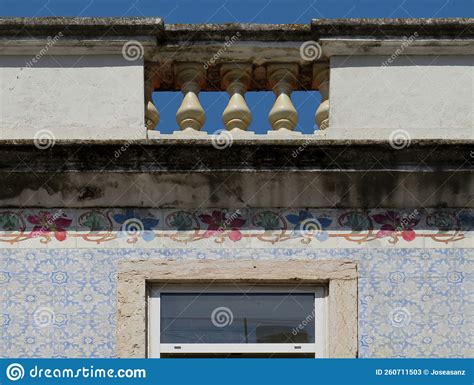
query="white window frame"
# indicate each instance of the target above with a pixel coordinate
(318, 348)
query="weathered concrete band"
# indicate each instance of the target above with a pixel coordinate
(199, 169)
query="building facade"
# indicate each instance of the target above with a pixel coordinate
(120, 241)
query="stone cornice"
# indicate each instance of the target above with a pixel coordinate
(453, 28)
(21, 27)
(257, 43)
(456, 28)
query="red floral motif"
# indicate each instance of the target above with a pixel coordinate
(46, 223)
(392, 222)
(219, 221)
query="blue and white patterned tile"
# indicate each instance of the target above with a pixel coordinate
(453, 264)
(395, 319)
(395, 265)
(401, 313)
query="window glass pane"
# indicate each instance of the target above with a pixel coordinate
(237, 318)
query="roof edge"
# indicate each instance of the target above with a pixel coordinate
(456, 28)
(81, 26)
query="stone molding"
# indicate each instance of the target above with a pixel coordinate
(134, 276)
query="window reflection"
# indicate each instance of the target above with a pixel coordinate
(236, 318)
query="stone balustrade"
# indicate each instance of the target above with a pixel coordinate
(102, 73)
(236, 79)
(237, 59)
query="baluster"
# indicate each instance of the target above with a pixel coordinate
(282, 79)
(321, 82)
(236, 80)
(190, 77)
(152, 116)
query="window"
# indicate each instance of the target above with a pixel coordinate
(237, 321)
(333, 282)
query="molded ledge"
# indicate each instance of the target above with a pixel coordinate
(454, 28)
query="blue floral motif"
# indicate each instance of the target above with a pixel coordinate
(30, 298)
(366, 340)
(88, 340)
(322, 236)
(426, 340)
(455, 277)
(4, 277)
(60, 320)
(4, 320)
(456, 319)
(59, 277)
(397, 277)
(305, 223)
(132, 223)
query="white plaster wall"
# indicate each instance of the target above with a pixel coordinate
(428, 96)
(74, 97)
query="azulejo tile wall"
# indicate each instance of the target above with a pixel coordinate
(58, 270)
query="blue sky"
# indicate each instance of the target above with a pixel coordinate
(245, 11)
(221, 11)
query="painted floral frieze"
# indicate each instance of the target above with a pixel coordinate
(226, 226)
(47, 224)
